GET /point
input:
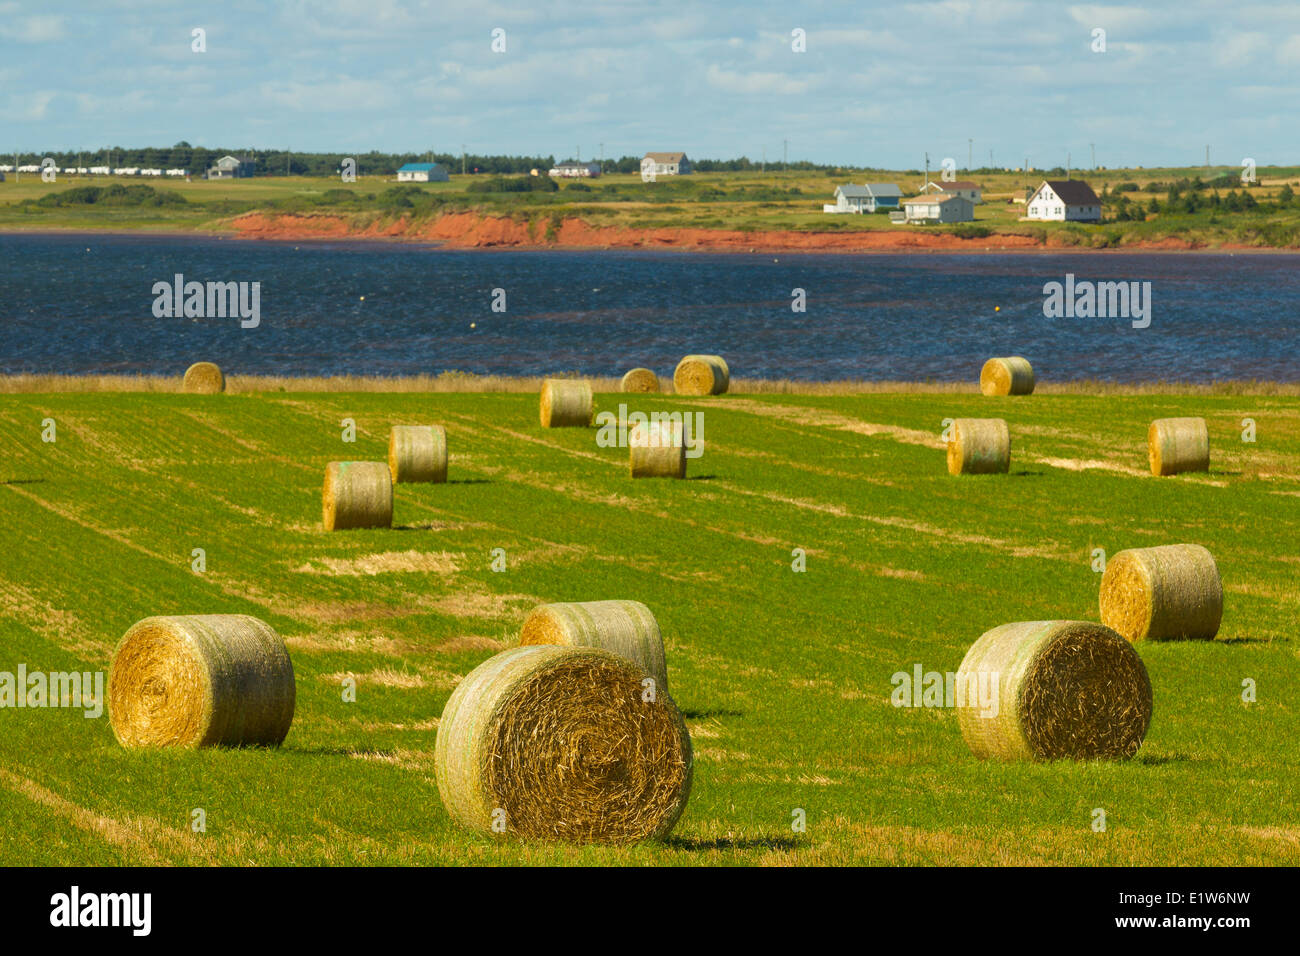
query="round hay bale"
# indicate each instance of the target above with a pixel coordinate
(1065, 689)
(357, 494)
(417, 453)
(566, 403)
(204, 378)
(200, 681)
(559, 743)
(701, 375)
(1007, 376)
(979, 446)
(1178, 444)
(1172, 592)
(640, 380)
(625, 628)
(657, 450)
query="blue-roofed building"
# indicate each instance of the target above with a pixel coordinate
(423, 173)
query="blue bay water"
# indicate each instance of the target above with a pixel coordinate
(83, 304)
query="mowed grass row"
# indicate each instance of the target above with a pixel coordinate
(785, 678)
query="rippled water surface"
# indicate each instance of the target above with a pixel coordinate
(84, 303)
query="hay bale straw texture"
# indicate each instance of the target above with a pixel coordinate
(701, 375)
(417, 453)
(657, 450)
(562, 742)
(1007, 376)
(357, 494)
(1178, 444)
(200, 681)
(1167, 593)
(979, 446)
(566, 403)
(625, 628)
(640, 380)
(1065, 690)
(204, 378)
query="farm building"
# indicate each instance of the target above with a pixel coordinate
(866, 198)
(572, 170)
(422, 173)
(938, 207)
(1064, 200)
(230, 167)
(964, 188)
(665, 164)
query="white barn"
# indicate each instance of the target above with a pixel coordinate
(962, 187)
(938, 207)
(1064, 200)
(665, 164)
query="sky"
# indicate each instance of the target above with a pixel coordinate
(877, 85)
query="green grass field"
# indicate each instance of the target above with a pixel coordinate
(746, 201)
(784, 677)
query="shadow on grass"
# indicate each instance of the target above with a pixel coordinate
(727, 843)
(1028, 473)
(702, 714)
(342, 751)
(1242, 640)
(23, 481)
(1158, 760)
(700, 477)
(469, 481)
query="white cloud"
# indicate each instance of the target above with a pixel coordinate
(732, 81)
(41, 29)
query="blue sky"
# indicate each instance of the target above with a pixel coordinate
(879, 84)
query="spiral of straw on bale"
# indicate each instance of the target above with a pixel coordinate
(979, 446)
(1065, 690)
(625, 628)
(1012, 375)
(1172, 592)
(357, 494)
(200, 681)
(204, 378)
(417, 453)
(701, 375)
(1178, 444)
(657, 449)
(640, 380)
(562, 743)
(566, 403)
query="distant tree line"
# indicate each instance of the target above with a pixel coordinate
(273, 162)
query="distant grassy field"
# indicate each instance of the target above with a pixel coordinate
(732, 201)
(784, 677)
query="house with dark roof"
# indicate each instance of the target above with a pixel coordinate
(961, 187)
(1064, 200)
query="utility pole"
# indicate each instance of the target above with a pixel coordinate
(602, 158)
(1093, 147)
(1067, 165)
(970, 149)
(925, 182)
(990, 159)
(763, 169)
(462, 159)
(1207, 159)
(785, 154)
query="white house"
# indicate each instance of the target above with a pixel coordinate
(865, 198)
(423, 173)
(972, 191)
(938, 207)
(665, 164)
(572, 170)
(1064, 200)
(231, 167)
